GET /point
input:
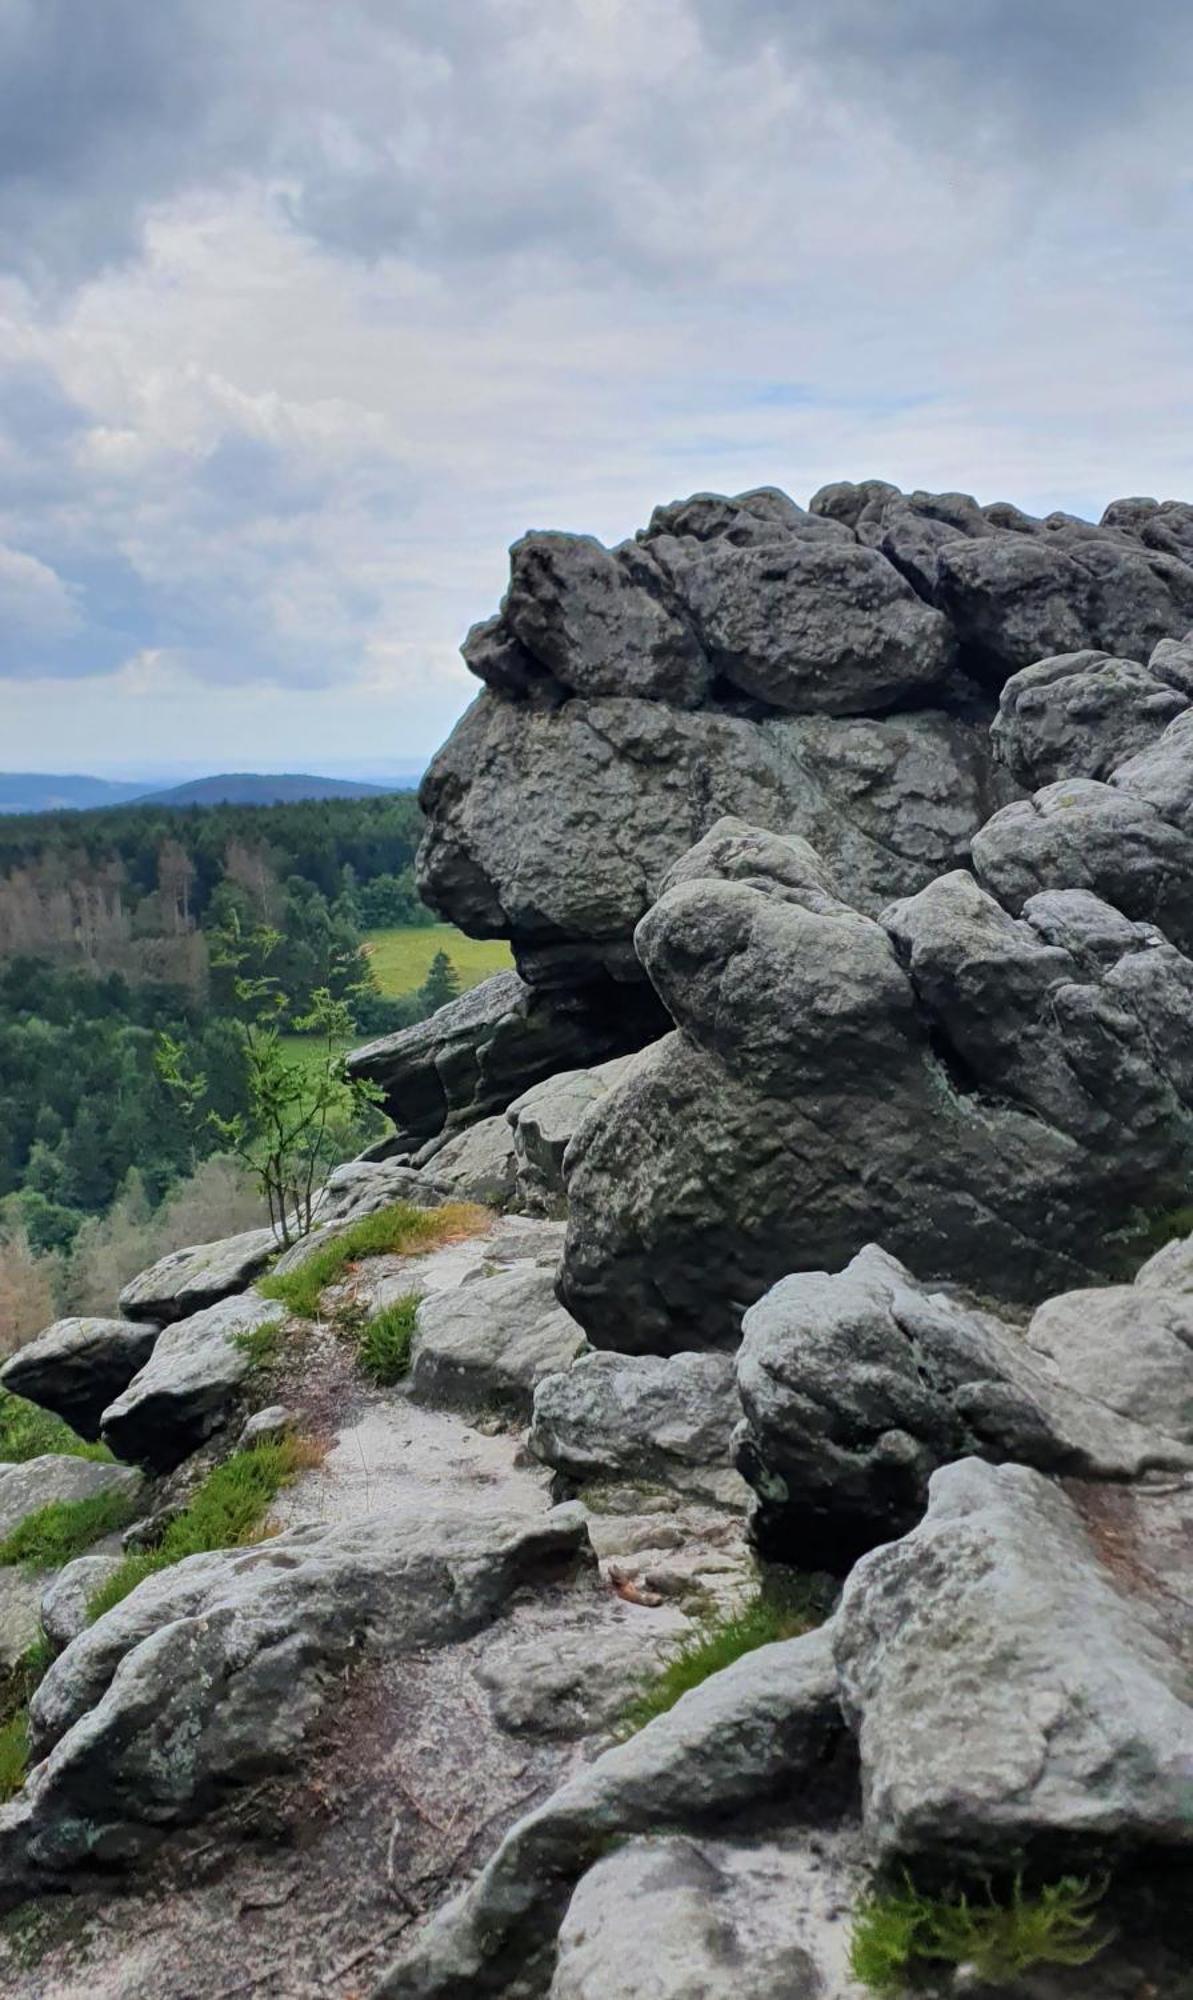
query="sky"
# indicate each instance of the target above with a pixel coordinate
(308, 310)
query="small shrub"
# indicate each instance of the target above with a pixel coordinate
(398, 1230)
(383, 1343)
(780, 1611)
(59, 1532)
(895, 1930)
(27, 1431)
(227, 1511)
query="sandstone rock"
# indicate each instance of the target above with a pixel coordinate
(478, 1164)
(614, 1416)
(1169, 1269)
(212, 1673)
(545, 1117)
(40, 1482)
(678, 1916)
(1079, 715)
(767, 1728)
(990, 1100)
(487, 1344)
(478, 1053)
(567, 1683)
(856, 1387)
(601, 622)
(186, 1281)
(1019, 1671)
(363, 1186)
(186, 1387)
(265, 1426)
(66, 1599)
(77, 1366)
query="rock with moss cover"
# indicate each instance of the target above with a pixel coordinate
(187, 1386)
(44, 1482)
(78, 1366)
(1019, 1671)
(186, 1281)
(213, 1672)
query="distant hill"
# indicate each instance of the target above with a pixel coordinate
(40, 791)
(252, 788)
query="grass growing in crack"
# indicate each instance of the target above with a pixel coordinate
(896, 1931)
(394, 1231)
(383, 1343)
(226, 1512)
(780, 1611)
(60, 1531)
(27, 1431)
(260, 1343)
(17, 1688)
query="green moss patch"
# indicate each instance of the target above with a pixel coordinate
(27, 1431)
(898, 1932)
(63, 1529)
(780, 1611)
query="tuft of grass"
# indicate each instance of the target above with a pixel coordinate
(780, 1611)
(397, 1230)
(897, 1930)
(16, 1692)
(27, 1431)
(59, 1532)
(260, 1343)
(226, 1512)
(384, 1342)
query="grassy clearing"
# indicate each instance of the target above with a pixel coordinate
(59, 1532)
(17, 1689)
(401, 959)
(27, 1431)
(780, 1611)
(897, 1931)
(399, 1230)
(227, 1512)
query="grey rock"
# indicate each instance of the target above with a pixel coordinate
(601, 622)
(1161, 773)
(858, 1386)
(1080, 715)
(1018, 1672)
(186, 1281)
(189, 1382)
(77, 1366)
(265, 1426)
(680, 1917)
(767, 1728)
(566, 1684)
(213, 1672)
(474, 1056)
(616, 1416)
(478, 1164)
(1169, 1269)
(41, 1482)
(487, 1344)
(555, 827)
(66, 1599)
(544, 1119)
(991, 1100)
(362, 1187)
(20, 1613)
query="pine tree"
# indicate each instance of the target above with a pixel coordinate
(441, 985)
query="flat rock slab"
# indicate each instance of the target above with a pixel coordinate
(185, 1388)
(78, 1366)
(487, 1344)
(213, 1672)
(1019, 1671)
(615, 1416)
(188, 1280)
(40, 1482)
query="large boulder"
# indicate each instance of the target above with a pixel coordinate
(213, 1672)
(543, 1122)
(485, 1345)
(1019, 1671)
(996, 1101)
(858, 1386)
(474, 1056)
(185, 1389)
(186, 1281)
(78, 1366)
(1080, 715)
(637, 1416)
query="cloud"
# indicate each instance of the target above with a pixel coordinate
(306, 312)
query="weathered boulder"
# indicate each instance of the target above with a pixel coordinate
(361, 1187)
(990, 1099)
(42, 1482)
(214, 1671)
(1168, 1269)
(66, 1599)
(186, 1281)
(479, 1164)
(486, 1345)
(77, 1366)
(481, 1051)
(857, 1387)
(1080, 715)
(767, 1728)
(189, 1382)
(545, 1117)
(1019, 1671)
(619, 1416)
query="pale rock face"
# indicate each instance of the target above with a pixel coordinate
(617, 1416)
(487, 1344)
(186, 1281)
(78, 1366)
(188, 1384)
